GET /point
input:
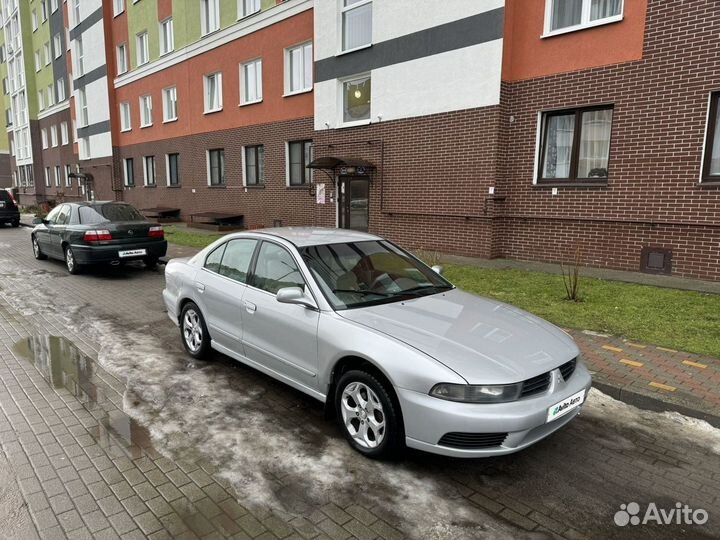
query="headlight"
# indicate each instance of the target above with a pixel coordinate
(495, 393)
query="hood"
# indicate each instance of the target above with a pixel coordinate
(484, 341)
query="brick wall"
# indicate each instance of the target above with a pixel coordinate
(652, 197)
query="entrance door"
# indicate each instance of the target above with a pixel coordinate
(353, 203)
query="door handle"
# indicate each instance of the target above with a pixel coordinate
(250, 307)
(200, 287)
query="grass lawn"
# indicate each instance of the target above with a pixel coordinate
(682, 320)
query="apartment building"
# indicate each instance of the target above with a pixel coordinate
(5, 169)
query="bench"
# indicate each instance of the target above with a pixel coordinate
(217, 221)
(162, 214)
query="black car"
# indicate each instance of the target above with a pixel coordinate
(97, 232)
(9, 212)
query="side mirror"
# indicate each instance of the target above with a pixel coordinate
(38, 221)
(438, 269)
(295, 295)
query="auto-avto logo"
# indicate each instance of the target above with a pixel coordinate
(680, 514)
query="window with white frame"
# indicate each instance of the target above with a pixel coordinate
(209, 15)
(44, 138)
(356, 24)
(82, 107)
(41, 99)
(129, 172)
(251, 82)
(58, 176)
(34, 19)
(47, 53)
(173, 169)
(567, 15)
(248, 7)
(299, 68)
(145, 111)
(299, 156)
(167, 36)
(149, 171)
(125, 118)
(711, 157)
(76, 12)
(213, 92)
(53, 5)
(254, 160)
(170, 104)
(79, 57)
(48, 182)
(143, 48)
(64, 135)
(50, 95)
(61, 94)
(122, 59)
(216, 167)
(43, 8)
(53, 136)
(68, 178)
(38, 61)
(357, 94)
(57, 45)
(118, 7)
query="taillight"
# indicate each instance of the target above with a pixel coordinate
(98, 236)
(156, 232)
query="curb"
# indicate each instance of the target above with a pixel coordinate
(649, 403)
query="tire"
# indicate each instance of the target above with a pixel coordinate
(369, 417)
(15, 223)
(70, 263)
(37, 252)
(194, 332)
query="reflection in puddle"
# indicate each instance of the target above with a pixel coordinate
(63, 365)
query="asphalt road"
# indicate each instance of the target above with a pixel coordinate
(289, 467)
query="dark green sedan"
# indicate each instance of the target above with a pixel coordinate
(88, 233)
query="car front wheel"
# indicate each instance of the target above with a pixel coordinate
(369, 417)
(195, 337)
(70, 263)
(37, 252)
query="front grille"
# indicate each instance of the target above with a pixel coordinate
(568, 368)
(472, 441)
(536, 385)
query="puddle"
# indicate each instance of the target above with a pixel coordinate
(63, 365)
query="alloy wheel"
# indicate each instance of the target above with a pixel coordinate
(36, 248)
(363, 415)
(192, 330)
(70, 260)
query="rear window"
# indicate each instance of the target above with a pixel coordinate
(4, 196)
(105, 213)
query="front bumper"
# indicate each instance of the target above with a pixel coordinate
(105, 253)
(428, 418)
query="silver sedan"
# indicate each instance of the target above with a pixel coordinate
(400, 355)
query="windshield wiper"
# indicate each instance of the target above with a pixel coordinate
(358, 291)
(420, 289)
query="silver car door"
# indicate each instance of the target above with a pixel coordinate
(281, 337)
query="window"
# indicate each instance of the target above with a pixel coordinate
(213, 260)
(299, 157)
(43, 6)
(48, 182)
(213, 92)
(34, 20)
(122, 60)
(64, 136)
(129, 171)
(125, 119)
(53, 5)
(44, 138)
(356, 100)
(143, 48)
(118, 7)
(41, 99)
(47, 53)
(82, 107)
(711, 159)
(85, 148)
(38, 61)
(254, 165)
(568, 15)
(58, 176)
(149, 171)
(575, 144)
(79, 52)
(167, 37)
(248, 7)
(145, 111)
(76, 12)
(53, 136)
(299, 69)
(57, 45)
(170, 104)
(60, 84)
(356, 24)
(275, 269)
(173, 169)
(68, 178)
(50, 95)
(216, 167)
(236, 259)
(251, 75)
(209, 15)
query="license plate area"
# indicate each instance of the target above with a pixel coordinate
(132, 253)
(565, 406)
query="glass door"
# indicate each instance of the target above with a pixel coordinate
(353, 203)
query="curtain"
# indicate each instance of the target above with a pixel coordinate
(595, 144)
(601, 9)
(715, 158)
(566, 13)
(558, 146)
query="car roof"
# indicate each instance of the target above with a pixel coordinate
(316, 236)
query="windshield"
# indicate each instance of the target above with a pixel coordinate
(368, 273)
(111, 212)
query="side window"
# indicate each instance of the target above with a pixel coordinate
(52, 216)
(63, 216)
(236, 260)
(275, 268)
(212, 262)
